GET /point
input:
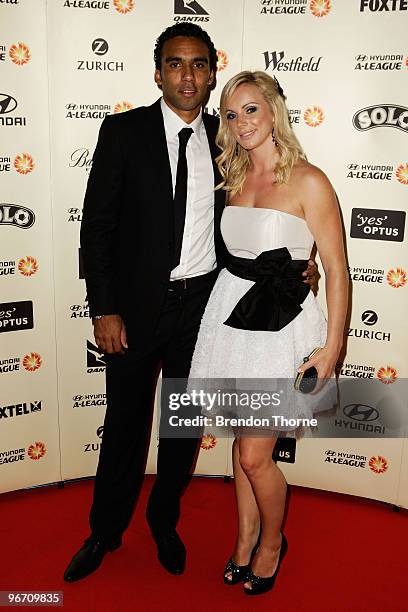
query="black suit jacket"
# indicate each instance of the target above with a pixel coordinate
(127, 225)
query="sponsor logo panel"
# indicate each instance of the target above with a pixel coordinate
(385, 61)
(394, 277)
(377, 224)
(381, 115)
(15, 316)
(95, 359)
(16, 215)
(26, 266)
(370, 319)
(34, 451)
(122, 7)
(190, 10)
(377, 463)
(380, 6)
(89, 400)
(90, 447)
(8, 104)
(317, 8)
(23, 409)
(31, 362)
(275, 60)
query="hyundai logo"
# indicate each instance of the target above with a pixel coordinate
(7, 104)
(361, 412)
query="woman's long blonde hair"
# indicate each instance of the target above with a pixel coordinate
(234, 159)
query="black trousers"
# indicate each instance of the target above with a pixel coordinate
(130, 389)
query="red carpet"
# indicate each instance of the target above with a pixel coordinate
(345, 553)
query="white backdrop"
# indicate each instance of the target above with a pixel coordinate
(65, 64)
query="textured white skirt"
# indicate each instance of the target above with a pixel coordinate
(223, 352)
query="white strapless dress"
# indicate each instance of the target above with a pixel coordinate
(223, 352)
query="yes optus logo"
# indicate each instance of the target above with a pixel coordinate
(320, 8)
(313, 116)
(19, 54)
(124, 6)
(24, 163)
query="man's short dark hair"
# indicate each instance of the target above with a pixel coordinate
(184, 29)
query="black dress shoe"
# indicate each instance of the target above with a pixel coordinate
(262, 585)
(238, 572)
(89, 557)
(171, 551)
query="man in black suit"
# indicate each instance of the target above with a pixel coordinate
(151, 247)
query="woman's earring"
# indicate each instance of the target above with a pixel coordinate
(273, 137)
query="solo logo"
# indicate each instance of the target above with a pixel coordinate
(15, 316)
(377, 224)
(17, 216)
(381, 115)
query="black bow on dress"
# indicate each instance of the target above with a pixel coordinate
(276, 297)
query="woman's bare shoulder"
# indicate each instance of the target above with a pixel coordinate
(309, 179)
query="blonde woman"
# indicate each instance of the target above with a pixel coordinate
(261, 320)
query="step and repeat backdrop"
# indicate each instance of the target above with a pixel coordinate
(65, 65)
